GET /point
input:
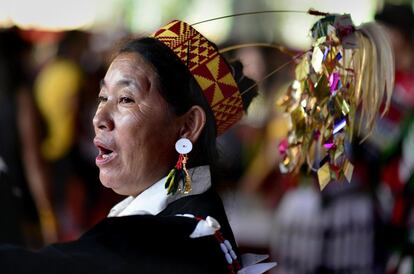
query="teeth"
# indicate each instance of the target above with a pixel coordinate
(105, 156)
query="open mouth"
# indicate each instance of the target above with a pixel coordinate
(104, 153)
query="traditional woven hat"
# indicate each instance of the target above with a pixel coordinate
(209, 69)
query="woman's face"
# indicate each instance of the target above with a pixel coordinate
(135, 130)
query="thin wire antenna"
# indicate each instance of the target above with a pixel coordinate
(273, 72)
(248, 13)
(310, 11)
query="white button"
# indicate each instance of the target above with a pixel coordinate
(228, 258)
(224, 248)
(227, 243)
(233, 254)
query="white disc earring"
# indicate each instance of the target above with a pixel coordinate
(183, 146)
(180, 172)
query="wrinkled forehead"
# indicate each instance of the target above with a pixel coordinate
(131, 67)
(134, 62)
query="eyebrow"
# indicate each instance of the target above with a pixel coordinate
(121, 83)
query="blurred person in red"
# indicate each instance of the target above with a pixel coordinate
(392, 139)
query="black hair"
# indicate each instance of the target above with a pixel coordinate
(181, 91)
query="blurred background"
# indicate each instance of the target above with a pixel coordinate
(53, 54)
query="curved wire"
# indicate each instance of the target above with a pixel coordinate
(310, 11)
(248, 13)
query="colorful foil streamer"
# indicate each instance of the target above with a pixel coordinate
(348, 70)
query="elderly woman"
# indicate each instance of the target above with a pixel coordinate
(162, 103)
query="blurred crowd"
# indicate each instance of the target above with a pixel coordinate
(49, 184)
(49, 187)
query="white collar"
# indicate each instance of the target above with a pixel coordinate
(154, 199)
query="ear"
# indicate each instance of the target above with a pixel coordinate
(193, 123)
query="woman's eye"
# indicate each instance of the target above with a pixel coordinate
(102, 99)
(126, 100)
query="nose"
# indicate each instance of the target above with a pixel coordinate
(103, 119)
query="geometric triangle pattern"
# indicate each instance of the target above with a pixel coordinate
(209, 69)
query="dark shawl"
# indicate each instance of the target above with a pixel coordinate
(134, 244)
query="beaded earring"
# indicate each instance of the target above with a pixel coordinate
(180, 173)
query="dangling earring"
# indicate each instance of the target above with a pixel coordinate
(180, 172)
